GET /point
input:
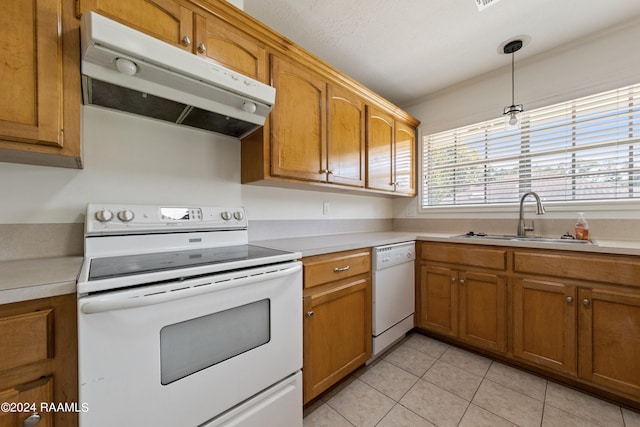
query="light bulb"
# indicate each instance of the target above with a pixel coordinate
(126, 66)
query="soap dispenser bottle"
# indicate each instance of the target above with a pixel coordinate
(582, 228)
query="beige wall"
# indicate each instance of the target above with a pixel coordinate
(598, 63)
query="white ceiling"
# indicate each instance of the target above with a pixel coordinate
(407, 49)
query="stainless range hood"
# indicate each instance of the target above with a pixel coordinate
(127, 70)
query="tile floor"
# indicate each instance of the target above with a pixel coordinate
(424, 382)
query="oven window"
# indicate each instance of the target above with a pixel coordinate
(190, 346)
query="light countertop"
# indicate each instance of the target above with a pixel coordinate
(26, 279)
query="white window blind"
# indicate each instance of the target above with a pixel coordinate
(581, 150)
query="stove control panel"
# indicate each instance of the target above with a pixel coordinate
(137, 219)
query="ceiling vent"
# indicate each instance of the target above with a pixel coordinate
(483, 4)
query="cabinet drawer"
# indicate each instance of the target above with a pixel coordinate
(465, 255)
(621, 270)
(328, 268)
(26, 338)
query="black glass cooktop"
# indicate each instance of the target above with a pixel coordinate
(127, 265)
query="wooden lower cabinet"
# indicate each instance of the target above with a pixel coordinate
(609, 338)
(38, 362)
(463, 303)
(572, 315)
(24, 404)
(544, 324)
(337, 319)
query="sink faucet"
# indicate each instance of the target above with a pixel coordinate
(522, 229)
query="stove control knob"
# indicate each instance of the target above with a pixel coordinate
(238, 215)
(104, 215)
(226, 215)
(126, 215)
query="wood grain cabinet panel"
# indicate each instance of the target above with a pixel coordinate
(390, 153)
(221, 42)
(609, 337)
(167, 20)
(38, 358)
(345, 137)
(438, 300)
(39, 88)
(298, 122)
(380, 150)
(337, 319)
(482, 309)
(544, 324)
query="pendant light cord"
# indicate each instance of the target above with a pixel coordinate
(513, 80)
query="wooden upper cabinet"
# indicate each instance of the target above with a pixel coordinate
(298, 122)
(166, 20)
(345, 139)
(31, 87)
(391, 158)
(380, 138)
(405, 159)
(221, 42)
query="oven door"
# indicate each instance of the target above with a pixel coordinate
(182, 353)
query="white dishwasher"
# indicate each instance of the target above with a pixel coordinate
(393, 293)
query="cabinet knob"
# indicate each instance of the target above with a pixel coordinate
(569, 299)
(309, 313)
(202, 48)
(186, 41)
(31, 420)
(453, 280)
(586, 302)
(339, 269)
(462, 281)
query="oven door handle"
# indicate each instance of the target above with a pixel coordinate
(105, 303)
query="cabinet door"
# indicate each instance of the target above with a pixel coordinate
(544, 324)
(438, 300)
(609, 328)
(217, 40)
(298, 119)
(405, 159)
(166, 20)
(380, 137)
(345, 138)
(33, 393)
(337, 334)
(31, 68)
(483, 310)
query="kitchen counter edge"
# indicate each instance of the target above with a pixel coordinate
(28, 279)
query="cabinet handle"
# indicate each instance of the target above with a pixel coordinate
(309, 313)
(339, 269)
(569, 299)
(186, 41)
(462, 281)
(330, 172)
(324, 171)
(202, 48)
(453, 280)
(586, 302)
(31, 420)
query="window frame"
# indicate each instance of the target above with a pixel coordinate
(601, 205)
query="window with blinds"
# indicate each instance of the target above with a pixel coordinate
(582, 150)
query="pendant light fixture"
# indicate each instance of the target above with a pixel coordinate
(513, 112)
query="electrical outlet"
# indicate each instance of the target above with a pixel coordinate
(325, 208)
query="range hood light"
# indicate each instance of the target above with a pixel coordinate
(126, 66)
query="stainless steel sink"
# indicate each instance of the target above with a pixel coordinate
(526, 239)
